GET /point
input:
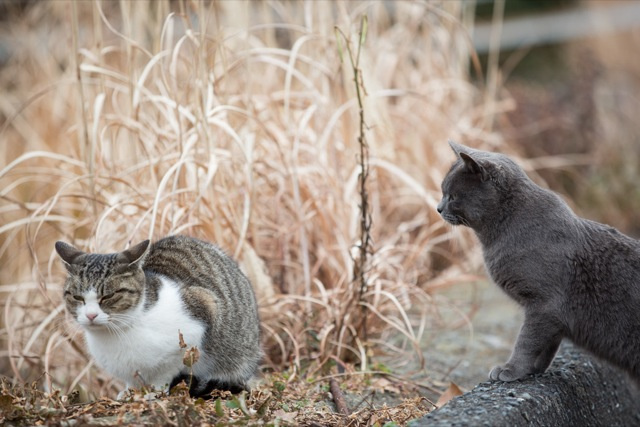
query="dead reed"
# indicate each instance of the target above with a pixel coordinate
(238, 123)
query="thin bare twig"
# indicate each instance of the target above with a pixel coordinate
(363, 245)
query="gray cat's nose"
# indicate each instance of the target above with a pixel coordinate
(440, 207)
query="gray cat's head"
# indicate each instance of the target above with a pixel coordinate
(100, 288)
(475, 189)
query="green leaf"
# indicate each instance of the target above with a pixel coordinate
(242, 403)
(279, 386)
(301, 404)
(381, 367)
(364, 24)
(218, 408)
(262, 409)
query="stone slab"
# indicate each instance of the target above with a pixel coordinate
(576, 390)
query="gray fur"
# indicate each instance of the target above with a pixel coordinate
(215, 292)
(575, 278)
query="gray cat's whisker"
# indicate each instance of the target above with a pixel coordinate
(575, 278)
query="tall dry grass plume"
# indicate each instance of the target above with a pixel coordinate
(235, 122)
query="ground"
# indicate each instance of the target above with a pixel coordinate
(276, 401)
(384, 399)
(465, 355)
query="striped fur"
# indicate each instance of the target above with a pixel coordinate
(132, 304)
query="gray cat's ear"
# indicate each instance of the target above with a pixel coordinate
(457, 148)
(474, 167)
(67, 253)
(135, 254)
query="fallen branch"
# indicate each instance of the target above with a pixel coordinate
(338, 397)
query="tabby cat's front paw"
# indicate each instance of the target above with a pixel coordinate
(506, 373)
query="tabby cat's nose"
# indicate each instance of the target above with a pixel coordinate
(91, 316)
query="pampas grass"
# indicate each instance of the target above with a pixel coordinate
(235, 122)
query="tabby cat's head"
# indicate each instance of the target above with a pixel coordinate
(476, 189)
(102, 288)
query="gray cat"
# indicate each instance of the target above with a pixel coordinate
(135, 305)
(575, 278)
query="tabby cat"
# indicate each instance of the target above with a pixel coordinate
(575, 278)
(134, 305)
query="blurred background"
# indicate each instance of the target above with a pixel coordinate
(569, 69)
(238, 122)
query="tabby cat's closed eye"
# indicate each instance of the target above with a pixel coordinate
(107, 297)
(140, 304)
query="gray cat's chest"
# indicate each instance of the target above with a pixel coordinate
(517, 273)
(512, 283)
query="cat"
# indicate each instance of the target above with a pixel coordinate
(575, 278)
(134, 307)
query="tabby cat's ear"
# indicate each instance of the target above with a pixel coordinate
(475, 167)
(67, 253)
(135, 254)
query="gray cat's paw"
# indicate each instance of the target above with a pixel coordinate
(505, 373)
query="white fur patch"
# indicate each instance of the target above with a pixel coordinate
(149, 343)
(90, 314)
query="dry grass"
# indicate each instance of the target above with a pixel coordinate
(235, 122)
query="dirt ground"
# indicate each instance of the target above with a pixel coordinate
(466, 355)
(462, 354)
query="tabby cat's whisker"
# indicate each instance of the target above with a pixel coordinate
(137, 306)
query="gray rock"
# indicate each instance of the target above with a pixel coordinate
(577, 390)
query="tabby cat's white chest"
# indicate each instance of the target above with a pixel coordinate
(147, 351)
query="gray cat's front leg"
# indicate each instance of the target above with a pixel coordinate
(535, 348)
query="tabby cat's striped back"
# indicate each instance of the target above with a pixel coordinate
(216, 292)
(134, 306)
